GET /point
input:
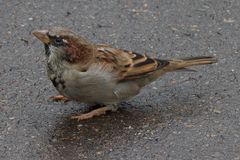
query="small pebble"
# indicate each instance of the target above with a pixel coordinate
(216, 111)
(80, 125)
(99, 152)
(228, 20)
(155, 88)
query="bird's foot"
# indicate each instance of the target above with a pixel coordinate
(60, 98)
(93, 113)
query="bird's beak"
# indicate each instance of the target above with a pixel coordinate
(42, 35)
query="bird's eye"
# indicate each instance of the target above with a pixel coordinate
(58, 40)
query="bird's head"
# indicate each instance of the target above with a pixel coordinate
(65, 45)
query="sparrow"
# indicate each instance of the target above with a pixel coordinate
(101, 74)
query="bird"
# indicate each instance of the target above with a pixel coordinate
(100, 74)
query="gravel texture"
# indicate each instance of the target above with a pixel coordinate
(181, 116)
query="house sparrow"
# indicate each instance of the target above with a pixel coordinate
(101, 74)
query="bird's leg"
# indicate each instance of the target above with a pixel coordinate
(59, 98)
(95, 112)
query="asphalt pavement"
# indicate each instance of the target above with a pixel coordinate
(181, 116)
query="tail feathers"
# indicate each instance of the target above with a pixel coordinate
(182, 64)
(176, 65)
(200, 60)
(185, 70)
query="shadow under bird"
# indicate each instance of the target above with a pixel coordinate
(101, 74)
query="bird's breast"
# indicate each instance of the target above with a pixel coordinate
(96, 85)
(55, 74)
(58, 82)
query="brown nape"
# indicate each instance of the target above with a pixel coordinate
(80, 50)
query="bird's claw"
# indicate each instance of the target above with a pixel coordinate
(59, 98)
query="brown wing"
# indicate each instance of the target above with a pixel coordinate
(129, 65)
